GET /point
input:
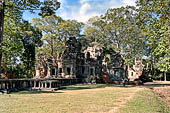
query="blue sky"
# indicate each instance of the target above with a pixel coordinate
(82, 10)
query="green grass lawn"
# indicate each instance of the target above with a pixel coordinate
(78, 98)
(145, 102)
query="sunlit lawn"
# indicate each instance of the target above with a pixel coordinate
(77, 98)
(145, 102)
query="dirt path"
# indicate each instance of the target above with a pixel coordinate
(151, 85)
(124, 101)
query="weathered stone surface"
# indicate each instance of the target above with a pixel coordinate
(77, 63)
(135, 72)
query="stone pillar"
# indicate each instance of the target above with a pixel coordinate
(56, 71)
(34, 84)
(6, 85)
(37, 72)
(39, 84)
(26, 83)
(0, 85)
(3, 86)
(94, 71)
(71, 69)
(57, 83)
(30, 84)
(13, 84)
(54, 85)
(45, 84)
(50, 84)
(42, 84)
(48, 72)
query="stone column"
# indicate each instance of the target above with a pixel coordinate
(57, 83)
(39, 84)
(1, 85)
(34, 84)
(31, 84)
(45, 84)
(56, 71)
(42, 84)
(37, 73)
(50, 84)
(71, 69)
(48, 72)
(14, 85)
(6, 85)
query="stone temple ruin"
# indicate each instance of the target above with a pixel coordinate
(77, 63)
(74, 65)
(136, 71)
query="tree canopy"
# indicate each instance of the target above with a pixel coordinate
(17, 35)
(135, 32)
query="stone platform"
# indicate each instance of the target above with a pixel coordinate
(8, 85)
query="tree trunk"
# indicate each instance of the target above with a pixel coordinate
(1, 29)
(164, 76)
(52, 47)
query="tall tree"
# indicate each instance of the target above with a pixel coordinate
(155, 14)
(49, 27)
(31, 38)
(55, 32)
(12, 7)
(18, 47)
(118, 30)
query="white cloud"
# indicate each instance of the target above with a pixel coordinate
(84, 18)
(82, 10)
(83, 1)
(62, 1)
(129, 2)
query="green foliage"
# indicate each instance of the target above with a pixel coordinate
(11, 46)
(162, 54)
(56, 32)
(118, 30)
(31, 38)
(133, 32)
(156, 18)
(47, 7)
(18, 47)
(20, 38)
(145, 101)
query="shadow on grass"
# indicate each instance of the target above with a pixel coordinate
(155, 85)
(34, 92)
(91, 86)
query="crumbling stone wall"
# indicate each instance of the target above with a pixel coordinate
(76, 63)
(136, 71)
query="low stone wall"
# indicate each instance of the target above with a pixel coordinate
(49, 84)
